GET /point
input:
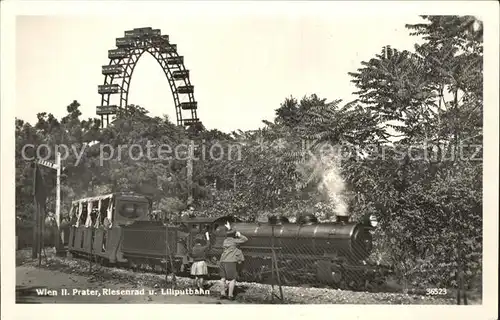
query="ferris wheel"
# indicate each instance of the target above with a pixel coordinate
(122, 62)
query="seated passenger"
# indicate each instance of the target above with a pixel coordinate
(107, 223)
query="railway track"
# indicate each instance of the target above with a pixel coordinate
(291, 279)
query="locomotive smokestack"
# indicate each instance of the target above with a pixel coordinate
(307, 219)
(343, 219)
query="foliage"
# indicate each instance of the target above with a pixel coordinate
(430, 208)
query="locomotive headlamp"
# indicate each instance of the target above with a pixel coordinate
(373, 220)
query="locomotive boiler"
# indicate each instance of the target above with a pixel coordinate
(350, 240)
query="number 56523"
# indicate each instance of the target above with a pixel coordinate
(435, 291)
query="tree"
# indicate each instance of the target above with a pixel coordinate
(434, 96)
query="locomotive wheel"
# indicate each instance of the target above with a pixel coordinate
(259, 274)
(134, 265)
(285, 279)
(151, 265)
(105, 262)
(158, 266)
(256, 269)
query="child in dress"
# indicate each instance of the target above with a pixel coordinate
(199, 269)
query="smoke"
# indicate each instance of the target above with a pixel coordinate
(333, 185)
(326, 170)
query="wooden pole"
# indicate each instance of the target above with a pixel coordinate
(275, 272)
(59, 237)
(190, 173)
(34, 245)
(167, 255)
(169, 259)
(91, 244)
(40, 215)
(272, 264)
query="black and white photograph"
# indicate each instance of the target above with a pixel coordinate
(250, 153)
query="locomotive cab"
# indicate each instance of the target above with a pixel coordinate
(200, 227)
(197, 227)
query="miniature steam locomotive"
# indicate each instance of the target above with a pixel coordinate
(116, 229)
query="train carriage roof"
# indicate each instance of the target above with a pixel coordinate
(209, 219)
(107, 196)
(198, 220)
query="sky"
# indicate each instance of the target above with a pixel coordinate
(242, 65)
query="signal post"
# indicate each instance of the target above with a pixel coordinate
(56, 166)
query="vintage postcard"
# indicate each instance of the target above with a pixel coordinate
(324, 157)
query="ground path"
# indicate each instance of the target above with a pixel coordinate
(28, 278)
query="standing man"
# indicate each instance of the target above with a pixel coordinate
(189, 212)
(50, 227)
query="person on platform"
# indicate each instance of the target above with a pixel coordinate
(50, 229)
(199, 269)
(188, 213)
(231, 256)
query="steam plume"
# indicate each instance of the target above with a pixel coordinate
(333, 185)
(327, 170)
